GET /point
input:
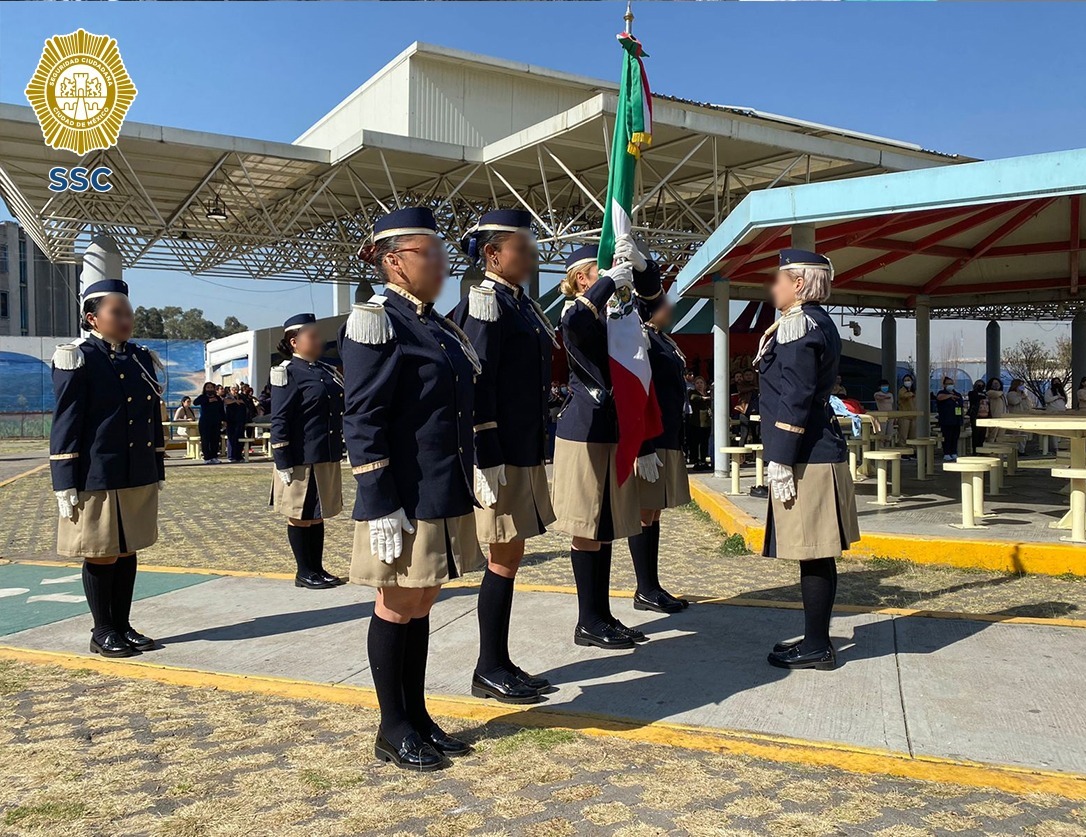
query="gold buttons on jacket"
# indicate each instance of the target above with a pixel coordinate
(130, 398)
(122, 376)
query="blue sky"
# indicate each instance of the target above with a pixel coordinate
(984, 79)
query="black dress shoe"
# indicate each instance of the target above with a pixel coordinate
(793, 658)
(503, 686)
(658, 602)
(606, 637)
(786, 645)
(529, 680)
(312, 581)
(138, 640)
(334, 580)
(445, 743)
(112, 645)
(759, 491)
(410, 754)
(631, 633)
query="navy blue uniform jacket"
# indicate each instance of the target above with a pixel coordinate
(307, 415)
(514, 343)
(589, 412)
(408, 419)
(212, 411)
(668, 364)
(798, 425)
(107, 424)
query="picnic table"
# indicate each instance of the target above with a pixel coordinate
(256, 433)
(1066, 424)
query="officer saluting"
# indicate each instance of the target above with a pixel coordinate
(661, 457)
(812, 508)
(307, 445)
(409, 379)
(106, 452)
(514, 341)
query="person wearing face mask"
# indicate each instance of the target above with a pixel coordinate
(997, 406)
(884, 401)
(978, 409)
(812, 509)
(1018, 402)
(107, 460)
(950, 406)
(210, 425)
(409, 377)
(906, 400)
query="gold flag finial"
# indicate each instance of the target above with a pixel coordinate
(629, 18)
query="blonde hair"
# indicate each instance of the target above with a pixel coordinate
(816, 284)
(568, 286)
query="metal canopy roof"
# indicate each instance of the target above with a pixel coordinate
(970, 238)
(300, 212)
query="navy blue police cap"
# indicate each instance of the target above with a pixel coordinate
(588, 254)
(496, 220)
(298, 321)
(105, 286)
(805, 258)
(412, 220)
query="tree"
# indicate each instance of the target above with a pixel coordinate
(174, 323)
(1037, 364)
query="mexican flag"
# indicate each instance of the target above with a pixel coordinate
(631, 377)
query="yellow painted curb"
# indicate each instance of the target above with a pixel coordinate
(18, 477)
(145, 568)
(1004, 778)
(995, 555)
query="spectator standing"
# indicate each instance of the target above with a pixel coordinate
(1056, 397)
(884, 402)
(264, 402)
(978, 409)
(906, 400)
(212, 419)
(701, 403)
(236, 416)
(1081, 393)
(949, 404)
(839, 388)
(997, 406)
(1019, 401)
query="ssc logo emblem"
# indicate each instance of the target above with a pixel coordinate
(81, 92)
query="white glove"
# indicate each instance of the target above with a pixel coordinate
(648, 467)
(67, 500)
(487, 481)
(286, 476)
(386, 535)
(626, 250)
(622, 274)
(162, 485)
(782, 481)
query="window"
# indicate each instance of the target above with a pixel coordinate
(4, 305)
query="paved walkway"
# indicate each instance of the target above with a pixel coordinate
(972, 690)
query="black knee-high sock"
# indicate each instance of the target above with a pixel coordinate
(654, 552)
(124, 586)
(416, 649)
(315, 544)
(507, 616)
(298, 540)
(603, 583)
(816, 585)
(495, 599)
(386, 645)
(98, 588)
(585, 574)
(644, 566)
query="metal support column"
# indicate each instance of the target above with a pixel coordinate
(923, 364)
(889, 350)
(721, 372)
(992, 353)
(1078, 356)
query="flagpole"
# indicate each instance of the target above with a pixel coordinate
(629, 18)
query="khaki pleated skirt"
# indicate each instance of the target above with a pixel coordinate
(523, 509)
(106, 524)
(290, 500)
(673, 487)
(820, 522)
(439, 551)
(584, 474)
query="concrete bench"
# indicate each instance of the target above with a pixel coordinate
(855, 447)
(995, 473)
(1078, 500)
(1003, 450)
(886, 460)
(735, 456)
(925, 457)
(971, 470)
(759, 463)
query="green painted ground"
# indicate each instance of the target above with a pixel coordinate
(31, 596)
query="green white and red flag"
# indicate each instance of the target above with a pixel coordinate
(627, 345)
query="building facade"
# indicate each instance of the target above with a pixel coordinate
(37, 298)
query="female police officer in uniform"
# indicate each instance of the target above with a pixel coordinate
(589, 502)
(409, 380)
(812, 509)
(672, 487)
(514, 341)
(307, 445)
(106, 452)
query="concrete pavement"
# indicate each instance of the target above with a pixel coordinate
(1007, 694)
